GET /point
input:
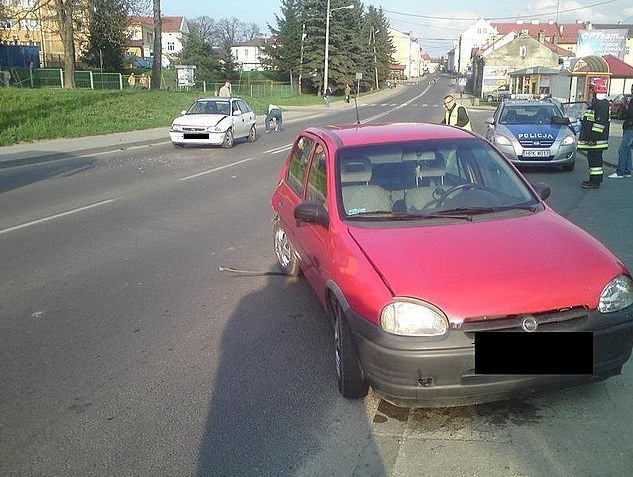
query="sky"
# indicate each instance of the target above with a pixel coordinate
(435, 34)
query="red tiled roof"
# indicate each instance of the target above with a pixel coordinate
(618, 68)
(396, 66)
(558, 50)
(425, 56)
(170, 24)
(569, 33)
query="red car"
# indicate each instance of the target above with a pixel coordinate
(419, 238)
(619, 105)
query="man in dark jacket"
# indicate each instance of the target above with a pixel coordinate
(594, 133)
(624, 152)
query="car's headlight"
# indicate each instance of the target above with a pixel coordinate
(176, 127)
(413, 318)
(568, 140)
(617, 295)
(502, 140)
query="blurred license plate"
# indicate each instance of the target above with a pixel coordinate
(535, 152)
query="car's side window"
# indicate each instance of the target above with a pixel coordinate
(235, 107)
(317, 178)
(244, 107)
(299, 164)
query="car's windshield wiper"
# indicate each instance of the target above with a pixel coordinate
(486, 210)
(391, 215)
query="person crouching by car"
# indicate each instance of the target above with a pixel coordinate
(594, 133)
(274, 112)
(455, 114)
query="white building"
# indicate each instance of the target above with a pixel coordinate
(141, 36)
(475, 36)
(249, 54)
(407, 52)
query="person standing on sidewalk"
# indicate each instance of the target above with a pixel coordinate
(626, 146)
(594, 133)
(348, 91)
(326, 96)
(455, 114)
(274, 112)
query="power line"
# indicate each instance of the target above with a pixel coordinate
(408, 14)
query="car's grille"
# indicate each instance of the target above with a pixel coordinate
(546, 321)
(540, 143)
(194, 129)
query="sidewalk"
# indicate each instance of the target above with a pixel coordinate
(54, 149)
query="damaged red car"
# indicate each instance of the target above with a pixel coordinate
(420, 238)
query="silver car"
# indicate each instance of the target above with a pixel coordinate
(218, 121)
(534, 133)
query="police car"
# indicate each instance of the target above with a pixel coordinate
(534, 133)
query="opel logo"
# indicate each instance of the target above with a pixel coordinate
(529, 323)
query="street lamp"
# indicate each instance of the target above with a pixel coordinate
(375, 60)
(303, 37)
(327, 39)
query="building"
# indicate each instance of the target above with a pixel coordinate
(248, 54)
(495, 62)
(35, 24)
(141, 42)
(407, 52)
(474, 37)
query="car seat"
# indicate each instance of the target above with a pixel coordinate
(358, 194)
(429, 173)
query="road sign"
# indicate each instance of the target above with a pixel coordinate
(359, 76)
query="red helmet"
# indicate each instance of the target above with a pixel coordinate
(598, 86)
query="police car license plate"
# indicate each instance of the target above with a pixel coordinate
(536, 152)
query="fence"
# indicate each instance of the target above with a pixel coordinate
(54, 78)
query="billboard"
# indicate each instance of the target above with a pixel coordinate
(602, 42)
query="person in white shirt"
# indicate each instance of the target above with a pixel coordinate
(225, 91)
(274, 112)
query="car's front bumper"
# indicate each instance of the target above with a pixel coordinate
(424, 372)
(560, 155)
(213, 138)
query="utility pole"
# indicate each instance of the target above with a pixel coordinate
(303, 37)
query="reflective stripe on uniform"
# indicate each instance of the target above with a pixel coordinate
(597, 127)
(595, 171)
(451, 119)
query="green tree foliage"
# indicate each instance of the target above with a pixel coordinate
(197, 50)
(354, 33)
(107, 34)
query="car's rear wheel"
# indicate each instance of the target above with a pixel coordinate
(228, 140)
(252, 135)
(351, 379)
(285, 252)
(569, 167)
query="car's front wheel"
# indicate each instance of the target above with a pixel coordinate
(178, 145)
(252, 135)
(569, 167)
(285, 252)
(228, 140)
(351, 379)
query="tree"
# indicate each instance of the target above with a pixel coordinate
(285, 52)
(107, 34)
(197, 49)
(158, 46)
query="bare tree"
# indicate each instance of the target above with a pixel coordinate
(229, 31)
(250, 31)
(205, 28)
(158, 46)
(65, 14)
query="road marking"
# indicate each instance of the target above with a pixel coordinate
(56, 216)
(279, 149)
(389, 111)
(215, 169)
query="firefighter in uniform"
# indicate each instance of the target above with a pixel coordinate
(455, 114)
(594, 133)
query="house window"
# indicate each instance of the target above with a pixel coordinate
(171, 46)
(246, 52)
(522, 51)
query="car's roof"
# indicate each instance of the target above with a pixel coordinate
(216, 98)
(357, 135)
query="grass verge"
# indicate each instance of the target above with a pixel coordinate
(35, 114)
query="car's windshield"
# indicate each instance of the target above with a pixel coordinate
(428, 178)
(209, 107)
(528, 114)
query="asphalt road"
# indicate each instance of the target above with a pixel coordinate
(125, 351)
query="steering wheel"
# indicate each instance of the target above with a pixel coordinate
(443, 195)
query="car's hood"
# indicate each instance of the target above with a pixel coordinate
(200, 119)
(491, 268)
(536, 131)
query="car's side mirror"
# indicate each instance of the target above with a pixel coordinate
(560, 120)
(313, 213)
(490, 121)
(542, 190)
(183, 112)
